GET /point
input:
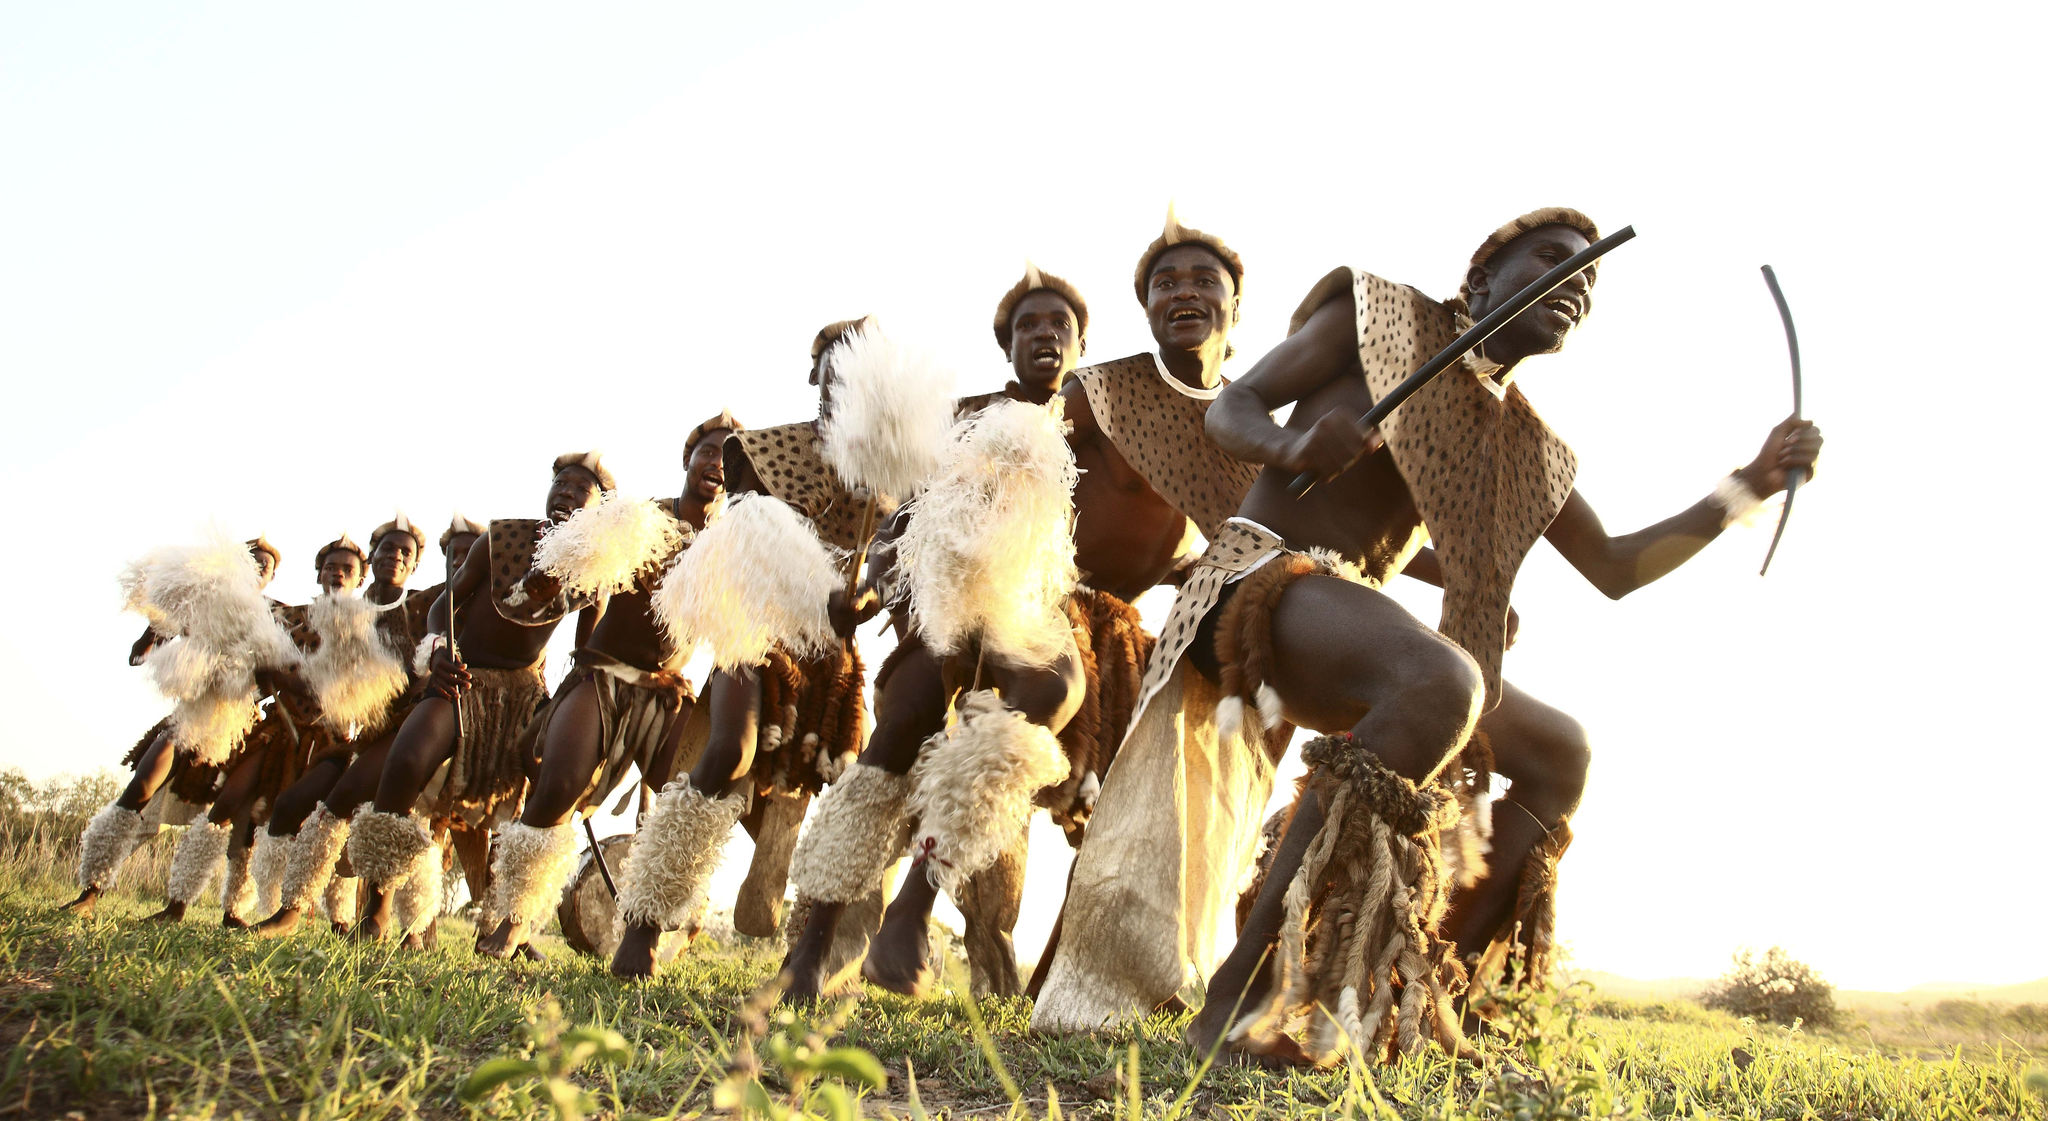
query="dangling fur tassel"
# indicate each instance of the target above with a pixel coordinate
(755, 578)
(605, 549)
(892, 408)
(675, 851)
(201, 852)
(860, 827)
(111, 835)
(383, 846)
(531, 869)
(416, 902)
(972, 790)
(354, 674)
(311, 859)
(989, 551)
(339, 899)
(267, 866)
(238, 895)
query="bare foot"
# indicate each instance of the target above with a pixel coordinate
(634, 960)
(173, 911)
(898, 958)
(278, 925)
(234, 922)
(414, 942)
(498, 942)
(527, 951)
(340, 928)
(83, 905)
(803, 970)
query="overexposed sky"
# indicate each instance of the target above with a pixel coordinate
(287, 269)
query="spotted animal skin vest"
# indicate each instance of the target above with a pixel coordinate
(1158, 429)
(792, 468)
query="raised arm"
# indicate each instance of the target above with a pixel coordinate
(1620, 565)
(1241, 419)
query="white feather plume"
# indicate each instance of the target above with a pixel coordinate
(990, 546)
(892, 407)
(755, 577)
(354, 674)
(604, 548)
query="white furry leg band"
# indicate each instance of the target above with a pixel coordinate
(266, 866)
(310, 862)
(383, 846)
(416, 902)
(238, 891)
(340, 899)
(674, 854)
(111, 835)
(859, 829)
(201, 851)
(971, 791)
(532, 867)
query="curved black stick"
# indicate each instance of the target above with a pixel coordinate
(1794, 476)
(1476, 334)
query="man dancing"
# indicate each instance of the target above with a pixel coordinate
(1287, 607)
(463, 737)
(623, 705)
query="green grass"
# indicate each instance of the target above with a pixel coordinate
(112, 1017)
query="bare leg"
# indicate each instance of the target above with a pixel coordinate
(232, 803)
(424, 742)
(1344, 657)
(349, 787)
(151, 772)
(570, 755)
(296, 804)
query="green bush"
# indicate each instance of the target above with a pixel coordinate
(1774, 988)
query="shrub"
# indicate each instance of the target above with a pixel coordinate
(1774, 988)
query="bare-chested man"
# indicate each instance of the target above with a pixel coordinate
(774, 732)
(622, 705)
(115, 831)
(271, 758)
(304, 836)
(464, 736)
(1470, 461)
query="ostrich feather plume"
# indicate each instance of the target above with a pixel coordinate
(603, 549)
(892, 408)
(755, 577)
(355, 674)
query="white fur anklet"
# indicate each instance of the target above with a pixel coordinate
(971, 791)
(383, 846)
(201, 852)
(111, 835)
(532, 867)
(860, 827)
(311, 859)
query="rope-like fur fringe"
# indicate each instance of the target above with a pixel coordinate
(201, 852)
(674, 853)
(532, 867)
(892, 409)
(238, 896)
(608, 548)
(1529, 941)
(972, 789)
(755, 577)
(383, 846)
(111, 835)
(860, 827)
(1360, 966)
(416, 902)
(339, 900)
(314, 852)
(267, 866)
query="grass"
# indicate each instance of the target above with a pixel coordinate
(110, 1017)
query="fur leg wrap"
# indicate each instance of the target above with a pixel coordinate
(674, 853)
(972, 790)
(201, 852)
(1526, 948)
(862, 826)
(417, 899)
(383, 847)
(530, 871)
(339, 899)
(238, 896)
(1360, 968)
(109, 838)
(310, 862)
(267, 864)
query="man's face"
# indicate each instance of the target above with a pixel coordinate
(1519, 263)
(394, 558)
(823, 377)
(704, 470)
(340, 572)
(571, 491)
(1189, 298)
(1045, 339)
(266, 568)
(458, 550)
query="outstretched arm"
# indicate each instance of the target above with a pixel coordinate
(1620, 565)
(1241, 419)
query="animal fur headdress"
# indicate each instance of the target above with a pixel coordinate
(1535, 219)
(1035, 280)
(459, 527)
(832, 332)
(399, 524)
(261, 544)
(342, 544)
(590, 462)
(723, 422)
(1177, 234)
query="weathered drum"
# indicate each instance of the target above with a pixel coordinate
(588, 910)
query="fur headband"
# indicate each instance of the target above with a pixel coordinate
(833, 332)
(399, 524)
(1534, 220)
(723, 422)
(1177, 234)
(259, 544)
(458, 528)
(590, 462)
(1034, 281)
(342, 544)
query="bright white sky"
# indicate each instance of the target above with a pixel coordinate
(287, 268)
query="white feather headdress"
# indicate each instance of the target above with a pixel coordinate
(892, 407)
(604, 549)
(989, 551)
(757, 576)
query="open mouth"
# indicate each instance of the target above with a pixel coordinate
(1045, 356)
(1566, 308)
(1188, 315)
(559, 514)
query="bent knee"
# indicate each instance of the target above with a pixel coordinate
(1443, 678)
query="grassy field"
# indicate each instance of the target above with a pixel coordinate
(111, 1017)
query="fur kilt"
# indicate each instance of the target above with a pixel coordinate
(1114, 648)
(483, 782)
(812, 723)
(636, 710)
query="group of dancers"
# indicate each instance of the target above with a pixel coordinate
(350, 751)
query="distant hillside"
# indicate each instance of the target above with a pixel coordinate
(1688, 988)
